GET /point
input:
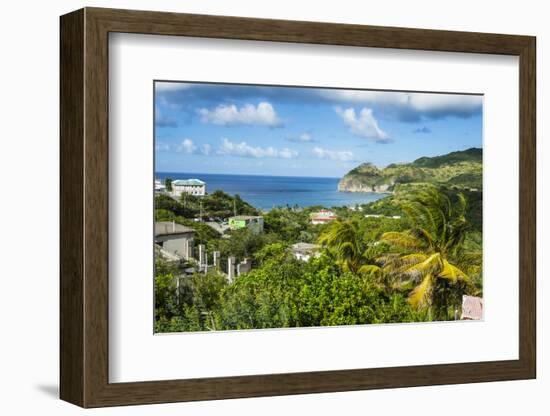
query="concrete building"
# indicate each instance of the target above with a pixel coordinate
(305, 251)
(252, 222)
(322, 217)
(176, 239)
(159, 186)
(244, 266)
(188, 186)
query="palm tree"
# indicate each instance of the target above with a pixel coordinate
(421, 257)
(356, 254)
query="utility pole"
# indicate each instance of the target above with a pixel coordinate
(234, 208)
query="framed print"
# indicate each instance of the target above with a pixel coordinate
(255, 207)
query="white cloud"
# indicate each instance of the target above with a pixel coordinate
(444, 102)
(226, 115)
(364, 125)
(243, 149)
(206, 149)
(189, 147)
(340, 155)
(410, 106)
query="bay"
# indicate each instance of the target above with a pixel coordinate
(267, 192)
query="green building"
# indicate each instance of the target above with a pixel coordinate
(253, 223)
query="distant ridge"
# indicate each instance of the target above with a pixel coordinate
(461, 169)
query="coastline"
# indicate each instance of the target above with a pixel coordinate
(268, 192)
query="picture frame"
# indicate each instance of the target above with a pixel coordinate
(84, 228)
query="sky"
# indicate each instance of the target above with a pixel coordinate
(293, 131)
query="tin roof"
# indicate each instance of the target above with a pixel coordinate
(188, 182)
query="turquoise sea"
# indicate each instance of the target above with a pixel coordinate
(267, 192)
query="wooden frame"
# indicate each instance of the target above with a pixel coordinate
(84, 207)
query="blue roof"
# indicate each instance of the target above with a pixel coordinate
(182, 182)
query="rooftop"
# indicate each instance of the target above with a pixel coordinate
(323, 214)
(188, 182)
(168, 228)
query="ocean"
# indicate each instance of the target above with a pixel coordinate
(267, 192)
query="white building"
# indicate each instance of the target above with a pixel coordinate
(159, 186)
(188, 186)
(322, 217)
(305, 251)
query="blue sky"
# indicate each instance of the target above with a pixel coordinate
(291, 131)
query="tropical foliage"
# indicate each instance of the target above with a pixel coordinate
(412, 267)
(422, 257)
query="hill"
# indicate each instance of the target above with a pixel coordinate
(457, 170)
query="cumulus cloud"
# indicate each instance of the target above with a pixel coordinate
(243, 149)
(340, 155)
(189, 147)
(227, 115)
(362, 125)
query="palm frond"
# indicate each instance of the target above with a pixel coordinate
(397, 264)
(453, 273)
(370, 270)
(420, 296)
(431, 265)
(401, 239)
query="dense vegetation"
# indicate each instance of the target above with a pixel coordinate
(415, 267)
(461, 170)
(215, 205)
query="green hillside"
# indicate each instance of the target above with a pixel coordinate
(457, 170)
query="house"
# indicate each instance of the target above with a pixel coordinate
(305, 251)
(254, 223)
(188, 186)
(472, 308)
(159, 186)
(322, 217)
(175, 239)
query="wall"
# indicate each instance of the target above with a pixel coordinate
(29, 67)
